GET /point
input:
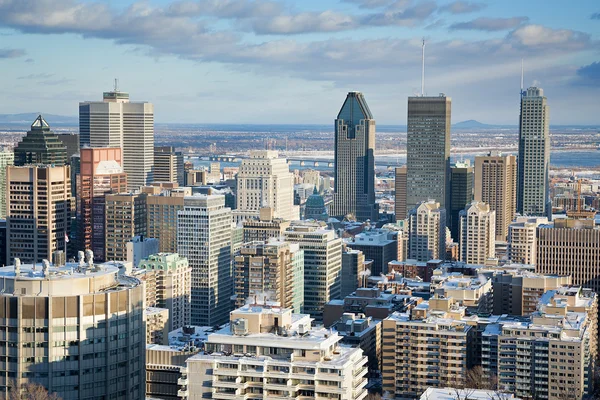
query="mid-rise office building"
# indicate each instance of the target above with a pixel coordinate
(322, 264)
(379, 245)
(427, 232)
(265, 180)
(400, 196)
(80, 330)
(534, 154)
(117, 122)
(157, 325)
(477, 233)
(354, 192)
(273, 270)
(265, 227)
(38, 211)
(162, 209)
(461, 194)
(100, 173)
(496, 185)
(173, 277)
(428, 150)
(204, 238)
(125, 218)
(168, 165)
(522, 239)
(7, 158)
(40, 146)
(353, 271)
(139, 248)
(253, 358)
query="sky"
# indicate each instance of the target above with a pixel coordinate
(290, 62)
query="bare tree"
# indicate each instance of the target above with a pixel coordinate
(31, 391)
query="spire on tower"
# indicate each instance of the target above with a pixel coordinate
(521, 77)
(423, 68)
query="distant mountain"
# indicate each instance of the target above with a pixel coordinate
(28, 118)
(472, 124)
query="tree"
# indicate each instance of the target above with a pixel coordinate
(31, 391)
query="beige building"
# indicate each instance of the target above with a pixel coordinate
(125, 215)
(496, 185)
(273, 270)
(7, 157)
(265, 227)
(173, 287)
(252, 358)
(522, 239)
(477, 233)
(38, 211)
(157, 325)
(427, 232)
(162, 211)
(264, 180)
(400, 196)
(168, 165)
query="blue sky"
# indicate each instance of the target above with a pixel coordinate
(278, 61)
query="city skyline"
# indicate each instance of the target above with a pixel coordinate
(249, 55)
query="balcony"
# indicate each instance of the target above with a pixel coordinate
(182, 381)
(183, 393)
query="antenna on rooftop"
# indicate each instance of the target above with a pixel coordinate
(521, 77)
(423, 68)
(116, 85)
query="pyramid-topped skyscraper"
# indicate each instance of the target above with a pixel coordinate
(40, 146)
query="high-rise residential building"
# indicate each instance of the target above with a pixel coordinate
(100, 173)
(379, 245)
(354, 191)
(461, 194)
(353, 271)
(265, 228)
(400, 195)
(268, 352)
(570, 247)
(427, 232)
(173, 276)
(79, 323)
(38, 211)
(477, 233)
(162, 211)
(116, 122)
(265, 180)
(40, 146)
(125, 218)
(322, 264)
(522, 239)
(273, 270)
(7, 158)
(204, 238)
(534, 154)
(496, 185)
(168, 165)
(428, 150)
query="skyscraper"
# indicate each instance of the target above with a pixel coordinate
(354, 191)
(40, 146)
(204, 238)
(115, 122)
(428, 150)
(168, 165)
(265, 180)
(427, 232)
(7, 158)
(38, 211)
(101, 173)
(534, 154)
(162, 217)
(496, 185)
(400, 195)
(125, 216)
(477, 233)
(461, 194)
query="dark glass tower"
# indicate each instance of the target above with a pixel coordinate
(354, 161)
(461, 194)
(40, 146)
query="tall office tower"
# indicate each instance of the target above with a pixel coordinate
(38, 211)
(115, 122)
(101, 173)
(400, 196)
(271, 347)
(173, 276)
(168, 165)
(125, 218)
(40, 146)
(264, 180)
(427, 232)
(428, 150)
(265, 228)
(65, 315)
(273, 270)
(354, 191)
(7, 158)
(496, 185)
(522, 239)
(534, 154)
(477, 233)
(162, 211)
(71, 142)
(353, 271)
(461, 194)
(204, 238)
(571, 246)
(322, 265)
